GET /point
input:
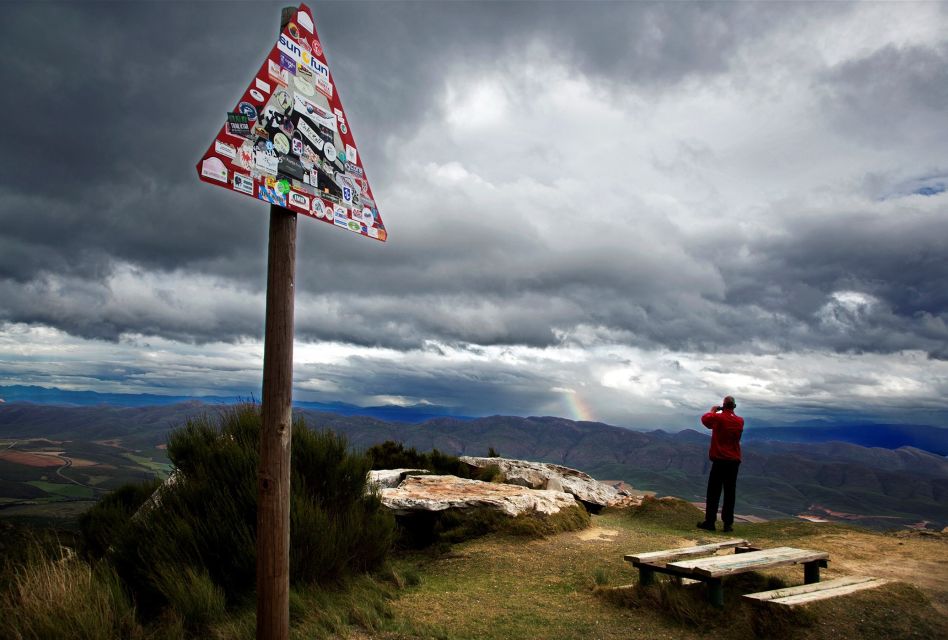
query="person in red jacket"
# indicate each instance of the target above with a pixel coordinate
(725, 454)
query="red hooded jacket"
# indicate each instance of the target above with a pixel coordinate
(726, 429)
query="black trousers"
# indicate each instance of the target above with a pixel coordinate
(723, 476)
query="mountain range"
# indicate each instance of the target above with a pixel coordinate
(868, 434)
(70, 398)
(834, 480)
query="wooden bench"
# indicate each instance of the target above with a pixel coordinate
(712, 570)
(794, 596)
(656, 561)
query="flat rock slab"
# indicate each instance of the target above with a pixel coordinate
(389, 478)
(438, 493)
(544, 475)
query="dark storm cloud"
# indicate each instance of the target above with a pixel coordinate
(109, 123)
(116, 101)
(898, 260)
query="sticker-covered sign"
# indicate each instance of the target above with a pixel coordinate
(297, 135)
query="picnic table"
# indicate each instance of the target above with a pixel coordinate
(698, 563)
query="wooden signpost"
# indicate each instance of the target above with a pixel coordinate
(273, 474)
(288, 142)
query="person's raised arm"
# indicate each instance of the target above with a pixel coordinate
(710, 418)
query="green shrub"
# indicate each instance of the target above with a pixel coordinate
(204, 522)
(490, 473)
(394, 455)
(105, 522)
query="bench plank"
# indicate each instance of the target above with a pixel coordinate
(718, 566)
(668, 555)
(793, 596)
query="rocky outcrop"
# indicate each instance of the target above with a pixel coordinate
(543, 475)
(438, 493)
(390, 478)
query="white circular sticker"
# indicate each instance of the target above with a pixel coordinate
(283, 99)
(256, 95)
(304, 87)
(281, 143)
(317, 208)
(367, 216)
(329, 150)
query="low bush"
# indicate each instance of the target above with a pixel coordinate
(394, 455)
(201, 528)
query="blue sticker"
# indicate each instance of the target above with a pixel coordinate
(271, 195)
(248, 110)
(288, 63)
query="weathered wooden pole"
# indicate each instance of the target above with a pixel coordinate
(273, 474)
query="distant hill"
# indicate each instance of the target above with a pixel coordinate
(68, 398)
(874, 486)
(887, 436)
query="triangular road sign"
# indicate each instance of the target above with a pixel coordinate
(288, 141)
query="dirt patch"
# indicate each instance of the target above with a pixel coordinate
(598, 534)
(31, 459)
(915, 559)
(82, 463)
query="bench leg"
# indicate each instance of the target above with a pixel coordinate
(715, 592)
(646, 576)
(811, 572)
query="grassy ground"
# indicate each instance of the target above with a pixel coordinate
(563, 586)
(566, 585)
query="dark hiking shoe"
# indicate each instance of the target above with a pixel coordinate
(728, 528)
(707, 526)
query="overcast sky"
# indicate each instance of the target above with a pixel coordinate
(610, 211)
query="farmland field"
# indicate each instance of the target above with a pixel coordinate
(55, 481)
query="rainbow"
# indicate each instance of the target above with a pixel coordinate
(578, 407)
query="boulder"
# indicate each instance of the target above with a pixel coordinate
(388, 478)
(543, 475)
(418, 493)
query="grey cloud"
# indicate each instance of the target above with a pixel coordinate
(899, 260)
(122, 98)
(100, 176)
(781, 293)
(893, 93)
